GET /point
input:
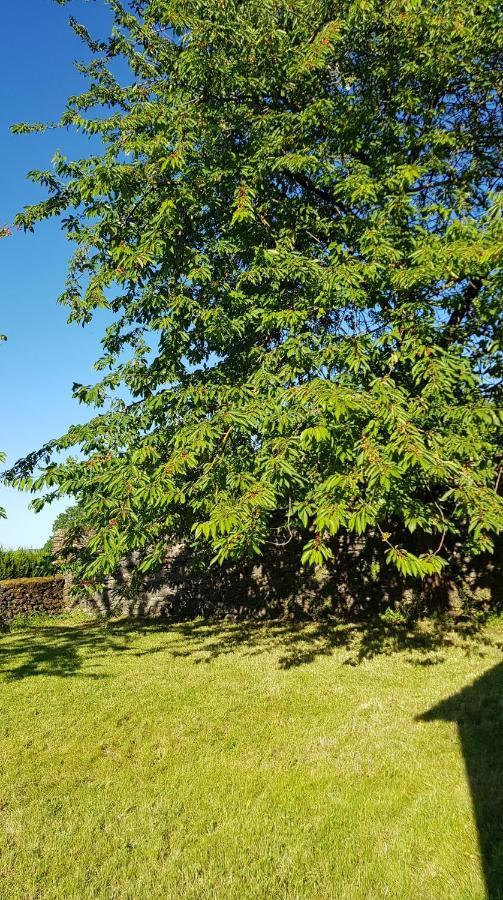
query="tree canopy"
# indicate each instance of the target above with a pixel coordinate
(296, 226)
(2, 454)
(69, 518)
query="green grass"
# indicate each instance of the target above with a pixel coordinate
(241, 761)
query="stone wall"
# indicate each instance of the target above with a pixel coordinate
(357, 581)
(29, 596)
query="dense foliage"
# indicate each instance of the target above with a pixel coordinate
(66, 520)
(295, 222)
(26, 563)
(2, 455)
(2, 510)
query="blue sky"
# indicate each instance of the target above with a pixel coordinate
(43, 356)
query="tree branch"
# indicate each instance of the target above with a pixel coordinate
(309, 185)
(458, 314)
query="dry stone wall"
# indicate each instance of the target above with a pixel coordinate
(29, 596)
(275, 586)
(357, 581)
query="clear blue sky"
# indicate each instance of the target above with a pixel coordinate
(43, 355)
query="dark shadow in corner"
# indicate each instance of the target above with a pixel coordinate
(478, 712)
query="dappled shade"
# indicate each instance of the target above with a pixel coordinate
(66, 649)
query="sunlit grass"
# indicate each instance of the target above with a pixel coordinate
(234, 761)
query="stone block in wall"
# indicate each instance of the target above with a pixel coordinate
(32, 596)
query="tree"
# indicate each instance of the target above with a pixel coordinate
(66, 530)
(295, 222)
(2, 510)
(69, 518)
(2, 455)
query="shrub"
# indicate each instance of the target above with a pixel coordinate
(26, 562)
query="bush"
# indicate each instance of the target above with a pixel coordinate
(26, 563)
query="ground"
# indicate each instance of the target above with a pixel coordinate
(241, 761)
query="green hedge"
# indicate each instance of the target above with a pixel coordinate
(26, 563)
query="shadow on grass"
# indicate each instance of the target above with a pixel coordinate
(300, 643)
(478, 712)
(69, 650)
(73, 650)
(56, 650)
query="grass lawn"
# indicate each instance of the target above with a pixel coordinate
(240, 761)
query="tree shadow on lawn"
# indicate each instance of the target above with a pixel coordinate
(478, 712)
(69, 650)
(300, 643)
(65, 651)
(55, 650)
